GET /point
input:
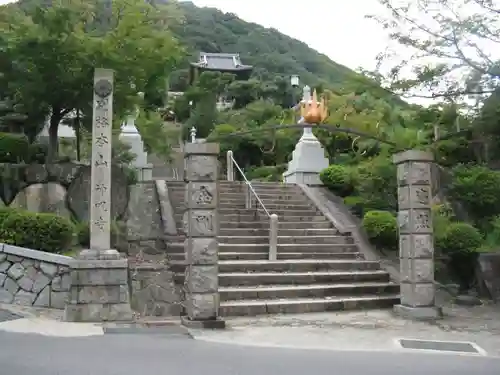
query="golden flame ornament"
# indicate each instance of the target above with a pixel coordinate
(314, 112)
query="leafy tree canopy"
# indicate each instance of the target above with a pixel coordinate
(49, 53)
(453, 46)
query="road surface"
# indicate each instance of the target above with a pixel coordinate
(143, 354)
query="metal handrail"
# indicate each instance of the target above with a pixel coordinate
(273, 218)
(249, 185)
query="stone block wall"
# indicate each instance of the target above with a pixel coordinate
(151, 229)
(154, 292)
(33, 278)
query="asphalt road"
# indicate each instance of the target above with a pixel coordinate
(137, 354)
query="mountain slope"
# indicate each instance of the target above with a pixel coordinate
(269, 51)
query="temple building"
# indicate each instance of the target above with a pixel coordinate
(220, 62)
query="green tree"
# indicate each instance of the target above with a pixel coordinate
(454, 44)
(202, 99)
(53, 52)
(155, 135)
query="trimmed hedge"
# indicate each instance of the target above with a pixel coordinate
(45, 232)
(461, 242)
(459, 238)
(337, 178)
(381, 228)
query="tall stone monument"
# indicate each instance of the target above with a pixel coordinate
(201, 224)
(99, 290)
(416, 242)
(308, 158)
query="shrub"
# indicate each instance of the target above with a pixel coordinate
(460, 238)
(477, 188)
(4, 214)
(442, 217)
(356, 205)
(13, 148)
(45, 232)
(460, 242)
(492, 241)
(381, 228)
(267, 173)
(83, 234)
(376, 183)
(338, 179)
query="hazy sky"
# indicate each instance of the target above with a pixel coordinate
(336, 28)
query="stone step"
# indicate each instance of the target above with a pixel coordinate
(299, 248)
(303, 305)
(284, 265)
(306, 291)
(280, 213)
(180, 257)
(281, 204)
(307, 255)
(272, 189)
(256, 185)
(264, 248)
(261, 192)
(270, 206)
(264, 197)
(286, 239)
(240, 204)
(281, 232)
(295, 278)
(262, 218)
(311, 217)
(296, 265)
(259, 224)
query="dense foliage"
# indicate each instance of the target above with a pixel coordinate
(45, 232)
(381, 228)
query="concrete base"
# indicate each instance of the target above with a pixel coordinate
(419, 313)
(99, 288)
(89, 254)
(308, 160)
(303, 178)
(203, 324)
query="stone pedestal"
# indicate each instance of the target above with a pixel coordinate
(99, 276)
(308, 160)
(99, 291)
(201, 224)
(416, 242)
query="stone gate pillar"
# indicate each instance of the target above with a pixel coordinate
(201, 224)
(99, 275)
(416, 242)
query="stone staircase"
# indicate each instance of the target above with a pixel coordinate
(317, 269)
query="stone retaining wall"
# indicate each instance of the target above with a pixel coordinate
(33, 278)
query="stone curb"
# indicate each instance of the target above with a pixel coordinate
(35, 254)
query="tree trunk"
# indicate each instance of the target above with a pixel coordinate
(55, 119)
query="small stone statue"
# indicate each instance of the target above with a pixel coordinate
(192, 132)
